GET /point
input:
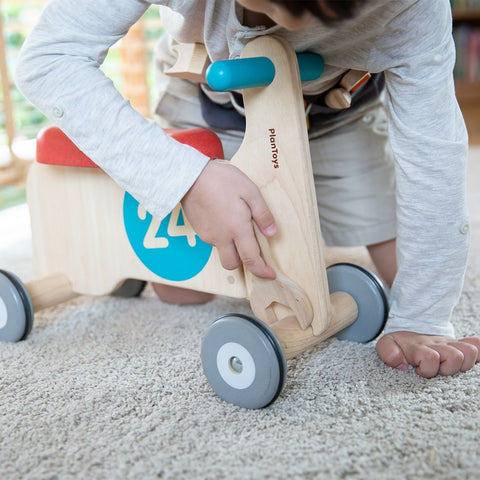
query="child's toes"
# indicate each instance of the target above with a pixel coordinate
(390, 352)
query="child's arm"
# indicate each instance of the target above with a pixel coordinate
(59, 71)
(429, 142)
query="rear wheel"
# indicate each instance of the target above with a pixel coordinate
(130, 288)
(16, 309)
(369, 294)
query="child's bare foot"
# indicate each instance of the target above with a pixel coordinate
(431, 354)
(181, 296)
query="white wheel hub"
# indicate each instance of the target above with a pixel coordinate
(235, 365)
(3, 314)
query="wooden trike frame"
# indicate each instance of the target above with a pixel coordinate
(81, 247)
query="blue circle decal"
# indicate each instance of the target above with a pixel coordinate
(170, 248)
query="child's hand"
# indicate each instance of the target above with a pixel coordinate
(430, 354)
(221, 206)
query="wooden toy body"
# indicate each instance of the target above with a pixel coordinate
(80, 226)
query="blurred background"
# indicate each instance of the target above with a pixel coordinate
(129, 65)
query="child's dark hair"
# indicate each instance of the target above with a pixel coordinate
(327, 11)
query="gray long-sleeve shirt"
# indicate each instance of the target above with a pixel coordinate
(409, 40)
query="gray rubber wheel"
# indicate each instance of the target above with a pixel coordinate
(370, 295)
(16, 309)
(243, 361)
(130, 288)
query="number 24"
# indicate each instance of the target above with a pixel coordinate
(151, 241)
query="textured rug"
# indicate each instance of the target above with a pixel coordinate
(111, 388)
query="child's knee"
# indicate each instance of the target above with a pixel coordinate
(180, 296)
(384, 257)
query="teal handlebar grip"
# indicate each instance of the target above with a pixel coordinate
(226, 75)
(311, 66)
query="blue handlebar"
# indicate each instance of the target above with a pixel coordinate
(226, 75)
(311, 66)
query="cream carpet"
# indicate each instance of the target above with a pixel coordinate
(109, 388)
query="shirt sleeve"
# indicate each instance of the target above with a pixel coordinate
(430, 145)
(58, 70)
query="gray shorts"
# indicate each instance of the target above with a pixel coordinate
(352, 166)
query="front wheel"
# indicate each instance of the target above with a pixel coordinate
(243, 361)
(369, 294)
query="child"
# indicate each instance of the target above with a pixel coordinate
(391, 185)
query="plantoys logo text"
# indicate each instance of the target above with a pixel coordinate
(273, 146)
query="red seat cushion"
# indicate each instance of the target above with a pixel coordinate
(55, 148)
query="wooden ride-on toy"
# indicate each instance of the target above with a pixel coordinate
(90, 237)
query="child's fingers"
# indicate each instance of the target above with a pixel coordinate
(430, 354)
(261, 214)
(391, 353)
(229, 256)
(470, 354)
(426, 360)
(249, 252)
(451, 358)
(474, 341)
